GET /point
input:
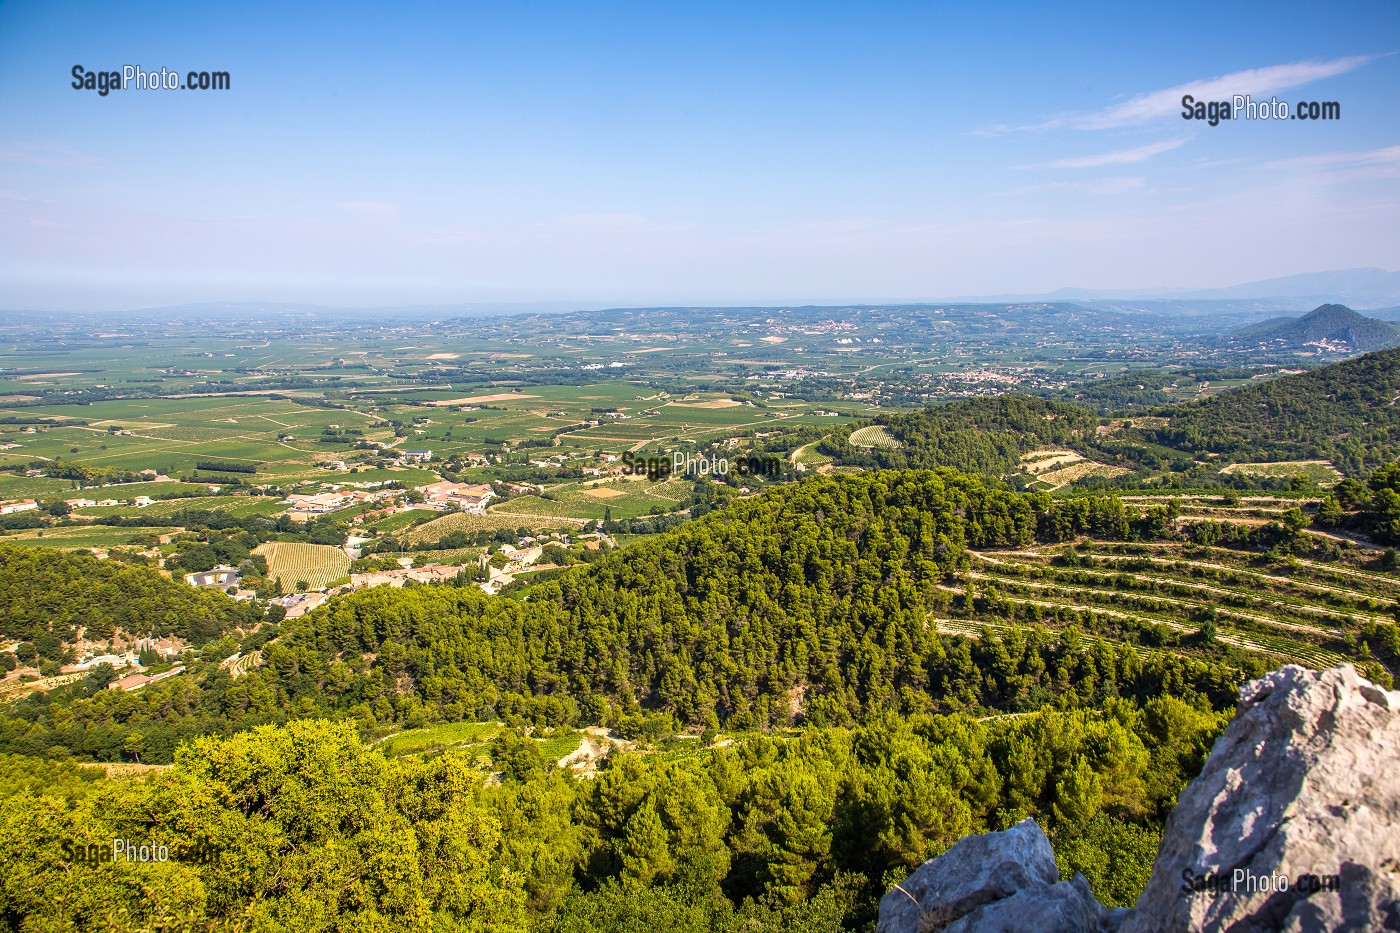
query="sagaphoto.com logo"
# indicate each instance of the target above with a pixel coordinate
(135, 77)
(1244, 107)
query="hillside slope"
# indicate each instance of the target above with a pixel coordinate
(1332, 324)
(49, 592)
(1344, 412)
(986, 436)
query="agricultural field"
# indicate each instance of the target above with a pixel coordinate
(473, 738)
(172, 434)
(316, 565)
(444, 557)
(233, 505)
(873, 435)
(1055, 469)
(408, 476)
(83, 536)
(807, 455)
(492, 521)
(1191, 598)
(437, 738)
(399, 521)
(627, 497)
(1321, 472)
(38, 487)
(629, 416)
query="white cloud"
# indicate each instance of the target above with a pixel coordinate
(1345, 166)
(1116, 157)
(1387, 156)
(1106, 186)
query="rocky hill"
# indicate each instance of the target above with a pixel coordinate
(1293, 825)
(1336, 326)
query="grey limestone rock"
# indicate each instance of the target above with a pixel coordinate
(1302, 790)
(1293, 825)
(994, 881)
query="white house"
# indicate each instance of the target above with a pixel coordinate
(220, 576)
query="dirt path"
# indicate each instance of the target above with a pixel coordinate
(583, 761)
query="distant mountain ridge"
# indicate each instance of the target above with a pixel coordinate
(1333, 323)
(1368, 287)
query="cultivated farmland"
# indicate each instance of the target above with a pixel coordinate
(873, 435)
(317, 565)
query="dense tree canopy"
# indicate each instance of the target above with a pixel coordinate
(1342, 412)
(986, 436)
(47, 591)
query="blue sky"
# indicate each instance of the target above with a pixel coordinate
(707, 153)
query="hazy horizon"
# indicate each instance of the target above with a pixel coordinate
(635, 156)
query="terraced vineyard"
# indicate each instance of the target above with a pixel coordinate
(1187, 597)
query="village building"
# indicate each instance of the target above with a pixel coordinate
(449, 496)
(520, 558)
(164, 647)
(397, 578)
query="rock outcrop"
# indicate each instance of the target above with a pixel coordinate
(1293, 825)
(995, 881)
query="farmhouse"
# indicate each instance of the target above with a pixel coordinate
(446, 495)
(520, 558)
(397, 578)
(418, 456)
(316, 505)
(165, 647)
(23, 505)
(299, 604)
(220, 576)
